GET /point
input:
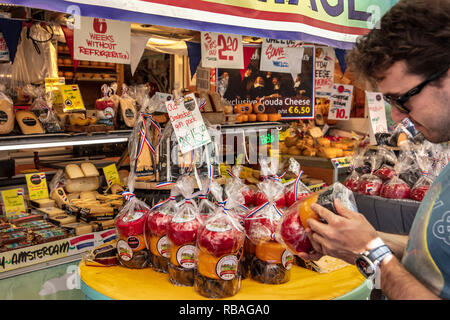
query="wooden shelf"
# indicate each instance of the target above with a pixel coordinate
(88, 67)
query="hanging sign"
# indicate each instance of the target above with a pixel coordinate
(187, 123)
(221, 50)
(71, 97)
(324, 71)
(4, 52)
(102, 40)
(340, 102)
(111, 175)
(276, 57)
(37, 186)
(377, 114)
(13, 202)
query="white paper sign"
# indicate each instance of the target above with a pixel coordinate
(340, 102)
(377, 114)
(222, 50)
(324, 72)
(187, 122)
(275, 58)
(4, 52)
(102, 40)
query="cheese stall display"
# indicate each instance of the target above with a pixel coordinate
(217, 143)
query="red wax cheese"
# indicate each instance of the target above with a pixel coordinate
(183, 232)
(293, 233)
(398, 190)
(131, 223)
(418, 193)
(219, 238)
(158, 222)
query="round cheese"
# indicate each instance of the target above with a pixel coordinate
(6, 117)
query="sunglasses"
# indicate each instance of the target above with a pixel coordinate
(399, 102)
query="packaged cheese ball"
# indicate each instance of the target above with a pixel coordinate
(182, 232)
(220, 244)
(127, 113)
(295, 189)
(105, 108)
(156, 230)
(291, 229)
(425, 155)
(130, 224)
(271, 262)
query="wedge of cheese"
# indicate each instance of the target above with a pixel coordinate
(73, 171)
(28, 122)
(89, 170)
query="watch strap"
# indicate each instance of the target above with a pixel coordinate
(377, 254)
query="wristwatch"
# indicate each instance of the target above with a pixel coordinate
(367, 262)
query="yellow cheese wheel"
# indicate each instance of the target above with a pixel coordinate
(262, 117)
(251, 117)
(207, 265)
(270, 251)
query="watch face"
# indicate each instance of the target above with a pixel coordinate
(365, 266)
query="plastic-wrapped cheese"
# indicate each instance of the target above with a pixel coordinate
(6, 117)
(28, 122)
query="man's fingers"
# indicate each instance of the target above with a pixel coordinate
(342, 210)
(324, 213)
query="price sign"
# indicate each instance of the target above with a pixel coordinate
(111, 175)
(13, 202)
(300, 111)
(187, 122)
(340, 102)
(71, 97)
(37, 186)
(221, 50)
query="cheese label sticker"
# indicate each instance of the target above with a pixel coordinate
(124, 250)
(37, 186)
(226, 267)
(111, 175)
(13, 202)
(71, 97)
(186, 256)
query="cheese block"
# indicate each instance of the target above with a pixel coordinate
(73, 196)
(215, 101)
(315, 132)
(88, 195)
(89, 170)
(43, 203)
(102, 225)
(28, 122)
(6, 117)
(63, 219)
(59, 196)
(208, 107)
(73, 171)
(51, 212)
(78, 228)
(82, 184)
(128, 111)
(326, 264)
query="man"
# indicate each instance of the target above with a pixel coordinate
(408, 58)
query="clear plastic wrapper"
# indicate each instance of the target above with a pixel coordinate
(105, 108)
(205, 206)
(271, 262)
(241, 192)
(369, 183)
(7, 115)
(295, 189)
(156, 230)
(130, 224)
(395, 188)
(182, 232)
(42, 108)
(220, 245)
(291, 229)
(353, 179)
(426, 155)
(410, 171)
(127, 112)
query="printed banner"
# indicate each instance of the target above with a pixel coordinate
(324, 74)
(102, 40)
(187, 123)
(340, 102)
(335, 23)
(221, 50)
(273, 92)
(23, 257)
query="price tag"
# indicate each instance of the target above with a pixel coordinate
(343, 162)
(37, 186)
(71, 97)
(111, 175)
(187, 122)
(340, 102)
(13, 202)
(221, 50)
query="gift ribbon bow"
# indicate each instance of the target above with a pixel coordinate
(261, 207)
(128, 195)
(164, 184)
(159, 204)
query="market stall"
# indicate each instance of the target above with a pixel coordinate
(182, 142)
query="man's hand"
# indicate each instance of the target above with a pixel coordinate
(344, 236)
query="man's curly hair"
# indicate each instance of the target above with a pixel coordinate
(416, 31)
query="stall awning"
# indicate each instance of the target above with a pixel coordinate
(335, 23)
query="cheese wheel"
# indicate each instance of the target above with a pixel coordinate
(89, 170)
(251, 117)
(28, 122)
(273, 117)
(82, 184)
(270, 251)
(262, 117)
(259, 108)
(73, 171)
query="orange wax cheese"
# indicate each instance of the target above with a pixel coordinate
(270, 251)
(207, 265)
(305, 211)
